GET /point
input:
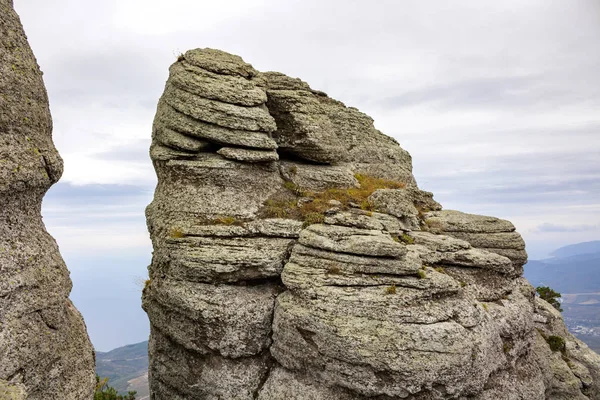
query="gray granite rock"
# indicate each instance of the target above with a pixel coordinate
(317, 128)
(215, 86)
(396, 202)
(179, 141)
(219, 62)
(502, 240)
(45, 352)
(385, 298)
(233, 321)
(11, 391)
(247, 155)
(571, 372)
(357, 218)
(283, 384)
(170, 118)
(342, 239)
(318, 177)
(225, 259)
(180, 373)
(456, 221)
(218, 113)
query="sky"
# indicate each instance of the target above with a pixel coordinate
(497, 102)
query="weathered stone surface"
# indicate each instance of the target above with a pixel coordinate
(396, 202)
(9, 391)
(399, 203)
(354, 264)
(234, 321)
(439, 243)
(207, 187)
(524, 381)
(179, 141)
(350, 240)
(160, 152)
(169, 117)
(219, 113)
(247, 155)
(378, 295)
(180, 373)
(227, 89)
(518, 257)
(369, 355)
(502, 240)
(45, 352)
(318, 177)
(483, 284)
(276, 227)
(219, 62)
(283, 384)
(486, 233)
(456, 221)
(270, 227)
(314, 127)
(441, 249)
(357, 218)
(215, 259)
(571, 373)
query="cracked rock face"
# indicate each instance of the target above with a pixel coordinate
(45, 352)
(296, 258)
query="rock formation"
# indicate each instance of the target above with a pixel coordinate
(45, 352)
(296, 258)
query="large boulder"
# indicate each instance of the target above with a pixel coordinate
(295, 257)
(45, 352)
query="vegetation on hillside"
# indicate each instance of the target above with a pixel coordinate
(550, 296)
(124, 366)
(105, 392)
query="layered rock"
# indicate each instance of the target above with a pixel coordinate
(45, 352)
(295, 257)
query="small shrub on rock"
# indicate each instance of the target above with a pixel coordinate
(556, 343)
(550, 296)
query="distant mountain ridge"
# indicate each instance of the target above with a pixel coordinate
(126, 367)
(574, 271)
(583, 248)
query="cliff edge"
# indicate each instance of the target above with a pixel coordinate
(45, 352)
(295, 257)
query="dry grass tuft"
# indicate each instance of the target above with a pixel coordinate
(176, 233)
(285, 203)
(407, 239)
(226, 220)
(334, 270)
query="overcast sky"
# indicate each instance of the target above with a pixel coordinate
(497, 101)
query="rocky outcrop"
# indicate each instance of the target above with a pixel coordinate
(45, 352)
(296, 258)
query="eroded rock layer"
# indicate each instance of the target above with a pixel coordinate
(45, 352)
(296, 258)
